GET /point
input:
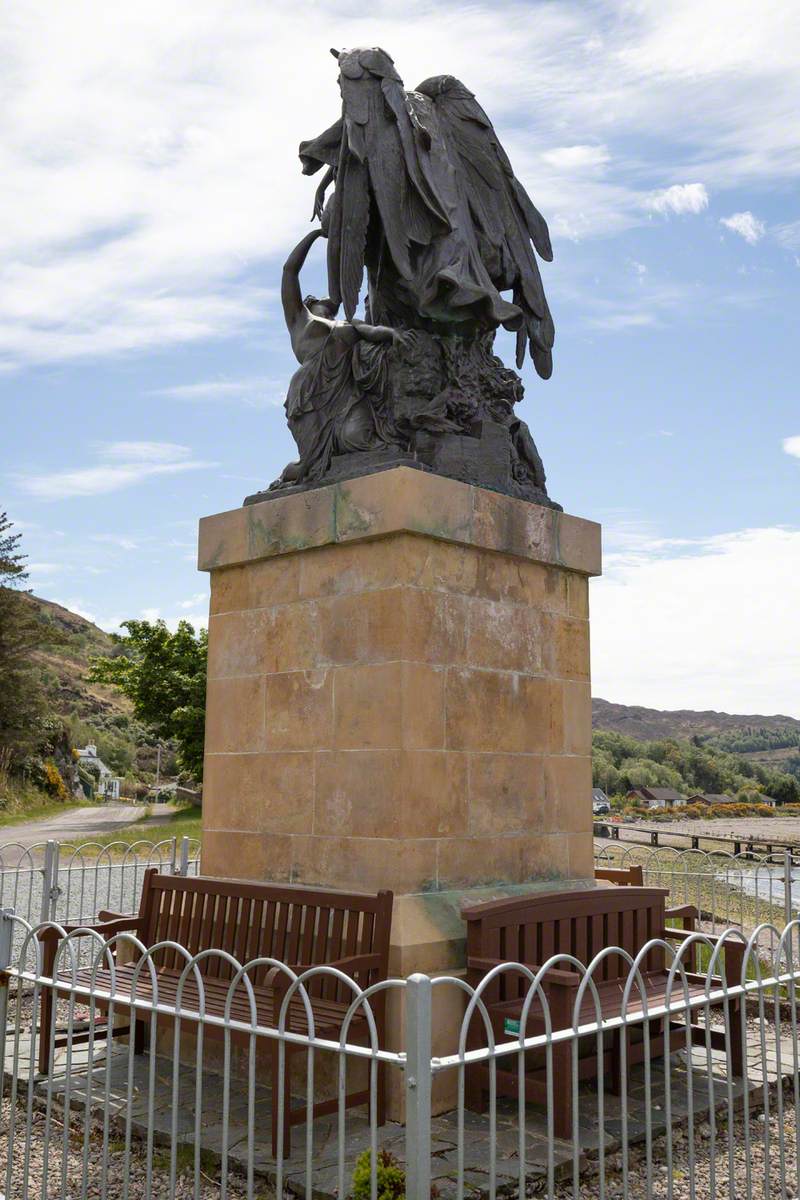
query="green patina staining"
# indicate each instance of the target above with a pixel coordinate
(348, 519)
(461, 532)
(213, 560)
(266, 539)
(555, 530)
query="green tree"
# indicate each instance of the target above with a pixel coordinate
(163, 674)
(21, 634)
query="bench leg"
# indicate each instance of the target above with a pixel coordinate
(48, 1001)
(736, 1032)
(45, 1030)
(281, 1096)
(562, 1091)
(380, 1108)
(137, 1033)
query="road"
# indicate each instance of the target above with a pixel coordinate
(81, 824)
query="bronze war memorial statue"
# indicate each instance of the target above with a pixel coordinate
(418, 193)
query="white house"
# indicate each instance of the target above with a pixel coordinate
(107, 781)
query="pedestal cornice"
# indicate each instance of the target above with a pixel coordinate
(401, 500)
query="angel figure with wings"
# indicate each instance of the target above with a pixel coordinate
(425, 201)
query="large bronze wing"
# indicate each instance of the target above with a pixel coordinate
(506, 221)
(378, 160)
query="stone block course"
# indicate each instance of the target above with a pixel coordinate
(398, 688)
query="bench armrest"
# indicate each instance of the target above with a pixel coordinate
(276, 977)
(570, 979)
(352, 962)
(105, 915)
(107, 928)
(682, 912)
(677, 934)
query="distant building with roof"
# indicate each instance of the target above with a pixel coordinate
(600, 801)
(711, 798)
(107, 782)
(656, 797)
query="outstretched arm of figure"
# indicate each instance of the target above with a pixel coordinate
(319, 195)
(382, 333)
(291, 296)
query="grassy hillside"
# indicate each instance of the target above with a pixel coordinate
(620, 763)
(92, 712)
(770, 741)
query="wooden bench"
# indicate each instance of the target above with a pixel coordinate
(531, 930)
(298, 926)
(621, 876)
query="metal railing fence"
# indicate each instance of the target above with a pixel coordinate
(743, 890)
(702, 1100)
(67, 882)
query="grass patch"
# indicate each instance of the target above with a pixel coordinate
(186, 822)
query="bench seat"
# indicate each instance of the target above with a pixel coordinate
(328, 1014)
(532, 930)
(290, 924)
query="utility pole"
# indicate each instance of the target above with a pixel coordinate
(158, 765)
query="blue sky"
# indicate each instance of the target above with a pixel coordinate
(151, 192)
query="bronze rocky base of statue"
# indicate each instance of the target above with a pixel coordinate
(441, 404)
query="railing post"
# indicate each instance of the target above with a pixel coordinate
(418, 1087)
(50, 888)
(6, 934)
(787, 887)
(181, 865)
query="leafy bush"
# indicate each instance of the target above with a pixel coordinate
(54, 783)
(391, 1177)
(620, 763)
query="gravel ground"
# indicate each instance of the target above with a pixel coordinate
(134, 1170)
(724, 1182)
(711, 1178)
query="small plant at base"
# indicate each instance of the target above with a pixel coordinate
(391, 1177)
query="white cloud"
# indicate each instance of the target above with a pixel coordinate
(616, 321)
(746, 225)
(705, 623)
(145, 452)
(788, 235)
(680, 198)
(576, 158)
(194, 601)
(792, 445)
(122, 465)
(255, 393)
(111, 624)
(198, 619)
(43, 568)
(116, 539)
(149, 161)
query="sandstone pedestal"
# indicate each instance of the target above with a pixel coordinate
(398, 696)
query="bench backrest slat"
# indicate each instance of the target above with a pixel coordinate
(532, 929)
(294, 925)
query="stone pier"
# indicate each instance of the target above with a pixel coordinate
(398, 696)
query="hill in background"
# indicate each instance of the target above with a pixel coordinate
(647, 723)
(773, 741)
(91, 711)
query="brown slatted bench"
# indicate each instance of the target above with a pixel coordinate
(531, 930)
(621, 876)
(298, 926)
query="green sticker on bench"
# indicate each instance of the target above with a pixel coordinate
(510, 1025)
